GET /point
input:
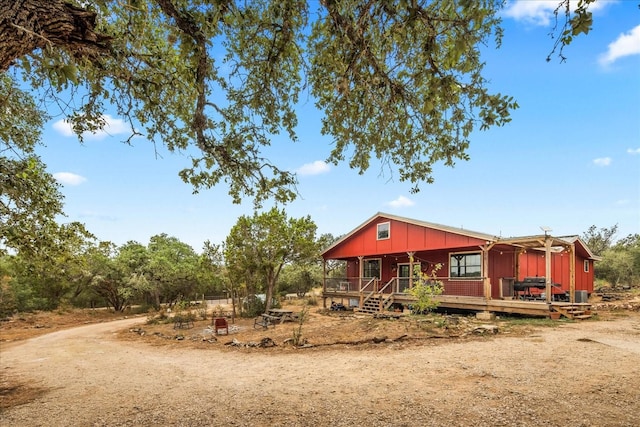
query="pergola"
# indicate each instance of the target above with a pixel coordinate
(549, 245)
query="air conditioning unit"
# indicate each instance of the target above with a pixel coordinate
(581, 296)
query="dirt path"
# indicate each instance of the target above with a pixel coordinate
(580, 374)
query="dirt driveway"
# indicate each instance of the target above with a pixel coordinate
(579, 374)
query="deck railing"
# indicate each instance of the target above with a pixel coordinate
(342, 284)
(463, 287)
(452, 285)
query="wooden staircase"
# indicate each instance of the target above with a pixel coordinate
(375, 304)
(578, 311)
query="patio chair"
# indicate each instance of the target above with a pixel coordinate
(220, 324)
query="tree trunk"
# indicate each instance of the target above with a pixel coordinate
(27, 25)
(269, 293)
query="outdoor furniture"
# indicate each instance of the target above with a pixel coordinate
(264, 321)
(182, 322)
(338, 306)
(523, 289)
(281, 314)
(220, 324)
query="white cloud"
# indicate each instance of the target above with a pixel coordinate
(540, 12)
(533, 12)
(401, 202)
(626, 44)
(63, 128)
(68, 178)
(112, 126)
(316, 168)
(633, 151)
(602, 161)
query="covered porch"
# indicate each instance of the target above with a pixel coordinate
(496, 292)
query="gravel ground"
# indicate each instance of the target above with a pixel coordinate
(579, 374)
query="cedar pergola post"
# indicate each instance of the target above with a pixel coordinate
(324, 282)
(410, 269)
(572, 273)
(360, 271)
(485, 269)
(548, 241)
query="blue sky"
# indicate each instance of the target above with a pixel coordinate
(569, 159)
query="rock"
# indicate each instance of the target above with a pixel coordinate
(484, 329)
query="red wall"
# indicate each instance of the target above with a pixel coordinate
(404, 237)
(532, 263)
(433, 246)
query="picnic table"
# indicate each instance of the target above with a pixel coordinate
(264, 321)
(274, 316)
(281, 314)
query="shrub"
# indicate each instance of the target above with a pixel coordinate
(424, 289)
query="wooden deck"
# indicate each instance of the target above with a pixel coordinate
(479, 304)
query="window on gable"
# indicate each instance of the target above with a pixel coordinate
(586, 265)
(465, 264)
(384, 230)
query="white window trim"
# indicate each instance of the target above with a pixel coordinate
(416, 267)
(467, 253)
(586, 266)
(388, 224)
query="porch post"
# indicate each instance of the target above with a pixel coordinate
(360, 271)
(572, 273)
(547, 267)
(324, 282)
(410, 269)
(485, 269)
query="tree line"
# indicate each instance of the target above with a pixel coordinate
(267, 253)
(619, 266)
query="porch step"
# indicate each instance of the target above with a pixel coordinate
(580, 312)
(370, 306)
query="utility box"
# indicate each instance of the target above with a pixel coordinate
(581, 296)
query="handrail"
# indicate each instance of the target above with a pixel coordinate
(386, 300)
(381, 290)
(370, 282)
(364, 298)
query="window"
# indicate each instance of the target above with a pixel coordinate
(371, 268)
(383, 230)
(465, 265)
(586, 265)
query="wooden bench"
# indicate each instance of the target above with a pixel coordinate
(264, 321)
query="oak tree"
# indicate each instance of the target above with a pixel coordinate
(261, 245)
(400, 81)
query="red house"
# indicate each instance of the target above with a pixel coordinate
(383, 256)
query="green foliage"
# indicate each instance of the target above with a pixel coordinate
(620, 263)
(29, 197)
(599, 240)
(402, 81)
(299, 278)
(258, 247)
(570, 24)
(297, 338)
(424, 289)
(397, 81)
(171, 271)
(77, 270)
(253, 306)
